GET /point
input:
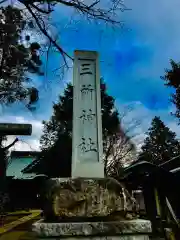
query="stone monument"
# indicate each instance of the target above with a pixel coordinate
(88, 205)
(87, 126)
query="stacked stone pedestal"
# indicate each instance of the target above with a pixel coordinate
(89, 208)
(113, 230)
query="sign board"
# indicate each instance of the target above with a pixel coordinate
(15, 129)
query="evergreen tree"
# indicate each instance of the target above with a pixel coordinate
(172, 79)
(56, 141)
(16, 59)
(161, 144)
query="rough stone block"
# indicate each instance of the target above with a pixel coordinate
(86, 198)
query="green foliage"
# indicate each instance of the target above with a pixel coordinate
(161, 144)
(16, 58)
(56, 141)
(172, 79)
(172, 76)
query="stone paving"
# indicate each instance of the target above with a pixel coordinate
(17, 229)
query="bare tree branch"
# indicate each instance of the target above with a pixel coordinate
(41, 10)
(44, 31)
(10, 145)
(92, 11)
(3, 1)
(120, 149)
(93, 4)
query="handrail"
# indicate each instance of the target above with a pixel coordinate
(172, 212)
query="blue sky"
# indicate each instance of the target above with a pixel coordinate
(132, 61)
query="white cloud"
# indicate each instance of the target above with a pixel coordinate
(175, 128)
(25, 143)
(144, 116)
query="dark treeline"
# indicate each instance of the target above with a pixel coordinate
(24, 193)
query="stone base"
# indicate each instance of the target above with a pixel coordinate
(125, 230)
(138, 237)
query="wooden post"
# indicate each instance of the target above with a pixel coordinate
(9, 129)
(150, 203)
